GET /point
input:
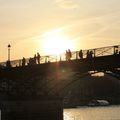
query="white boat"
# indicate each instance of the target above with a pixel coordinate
(98, 103)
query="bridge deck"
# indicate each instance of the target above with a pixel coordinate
(78, 65)
(96, 52)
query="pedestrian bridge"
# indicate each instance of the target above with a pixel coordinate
(96, 52)
(57, 71)
(27, 91)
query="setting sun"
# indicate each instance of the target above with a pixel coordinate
(55, 42)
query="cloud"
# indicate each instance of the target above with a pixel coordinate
(67, 4)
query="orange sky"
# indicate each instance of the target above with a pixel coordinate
(74, 24)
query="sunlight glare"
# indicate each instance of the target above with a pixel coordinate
(55, 42)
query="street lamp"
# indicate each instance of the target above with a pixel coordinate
(9, 46)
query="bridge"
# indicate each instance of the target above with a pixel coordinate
(48, 80)
(97, 52)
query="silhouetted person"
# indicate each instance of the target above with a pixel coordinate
(8, 64)
(80, 54)
(23, 61)
(91, 54)
(116, 52)
(69, 54)
(88, 54)
(38, 58)
(30, 61)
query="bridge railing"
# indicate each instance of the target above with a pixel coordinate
(96, 52)
(105, 51)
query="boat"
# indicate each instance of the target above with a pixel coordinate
(98, 103)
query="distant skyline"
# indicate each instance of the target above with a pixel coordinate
(28, 25)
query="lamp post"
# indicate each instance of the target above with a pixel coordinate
(9, 46)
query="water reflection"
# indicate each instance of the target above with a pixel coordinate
(93, 113)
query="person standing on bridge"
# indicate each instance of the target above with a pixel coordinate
(23, 61)
(88, 54)
(38, 58)
(91, 54)
(116, 52)
(69, 54)
(80, 54)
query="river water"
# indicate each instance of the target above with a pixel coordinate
(93, 113)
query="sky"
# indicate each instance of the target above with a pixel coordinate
(47, 26)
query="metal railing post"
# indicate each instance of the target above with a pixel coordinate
(94, 52)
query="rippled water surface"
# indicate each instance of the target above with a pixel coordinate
(93, 113)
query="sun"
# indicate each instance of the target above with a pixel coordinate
(56, 43)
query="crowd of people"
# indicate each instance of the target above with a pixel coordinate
(68, 55)
(89, 54)
(32, 61)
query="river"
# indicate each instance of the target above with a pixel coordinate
(93, 113)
